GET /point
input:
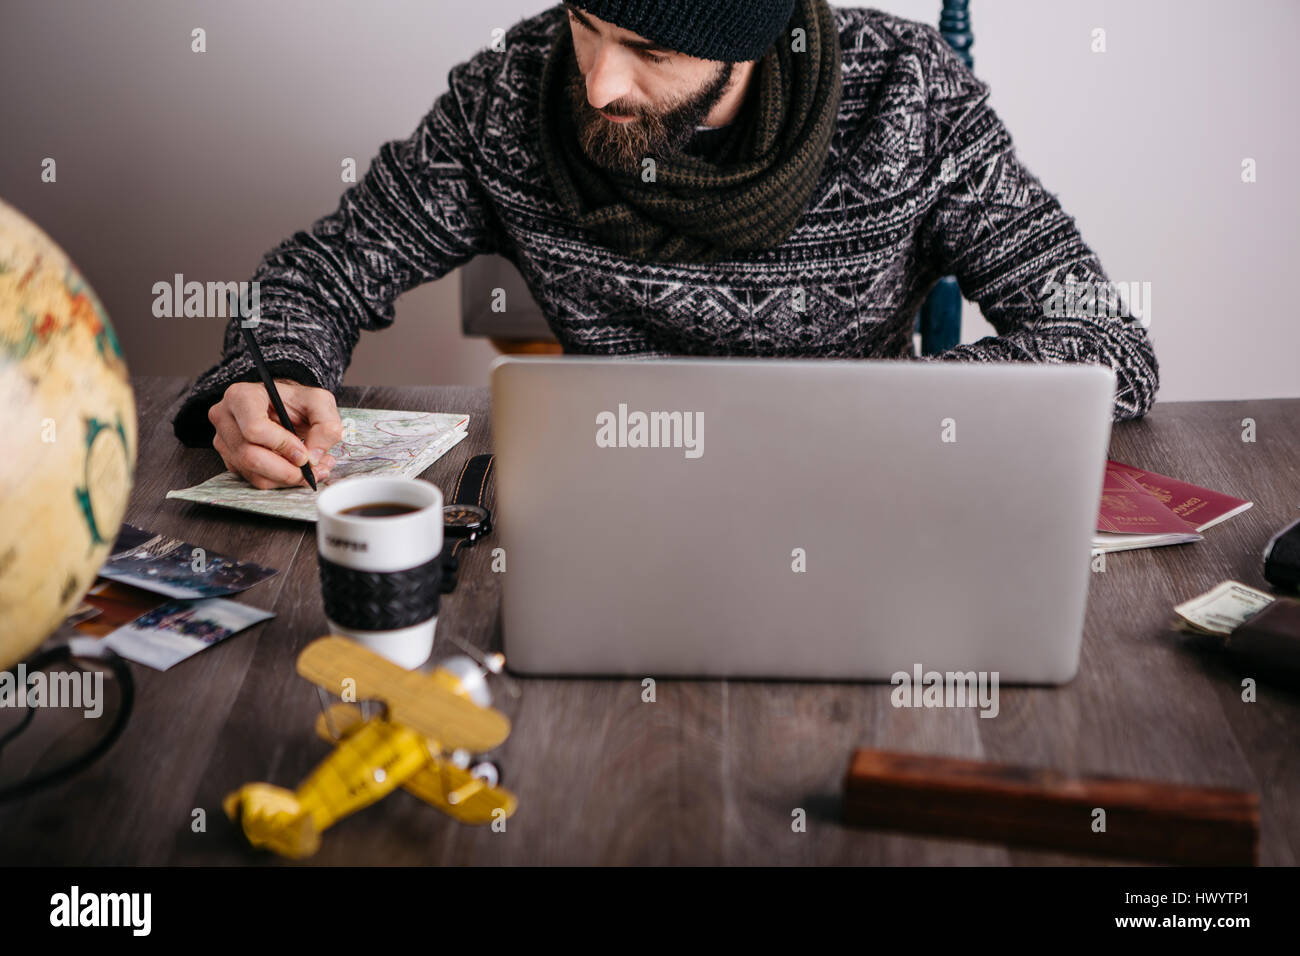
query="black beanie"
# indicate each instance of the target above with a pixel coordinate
(732, 30)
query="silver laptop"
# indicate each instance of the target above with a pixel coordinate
(789, 518)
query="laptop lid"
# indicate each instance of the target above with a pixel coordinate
(779, 518)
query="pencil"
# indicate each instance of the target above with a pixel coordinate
(269, 382)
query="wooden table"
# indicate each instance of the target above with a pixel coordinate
(713, 771)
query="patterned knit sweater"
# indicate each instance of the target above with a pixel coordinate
(921, 181)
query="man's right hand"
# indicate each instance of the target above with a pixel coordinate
(253, 443)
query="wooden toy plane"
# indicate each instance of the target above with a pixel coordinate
(422, 742)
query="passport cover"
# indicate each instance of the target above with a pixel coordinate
(1128, 508)
(1198, 506)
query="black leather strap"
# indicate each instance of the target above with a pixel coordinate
(450, 562)
(471, 486)
(471, 489)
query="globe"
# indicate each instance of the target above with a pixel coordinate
(68, 417)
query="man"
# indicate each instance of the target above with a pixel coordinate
(683, 177)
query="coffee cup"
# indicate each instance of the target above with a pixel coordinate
(379, 542)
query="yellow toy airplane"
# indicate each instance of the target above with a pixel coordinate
(423, 741)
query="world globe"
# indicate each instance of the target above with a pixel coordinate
(68, 417)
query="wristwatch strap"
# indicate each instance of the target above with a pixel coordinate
(470, 489)
(450, 563)
(471, 486)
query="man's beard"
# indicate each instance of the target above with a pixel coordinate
(660, 133)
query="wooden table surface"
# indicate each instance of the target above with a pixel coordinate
(713, 771)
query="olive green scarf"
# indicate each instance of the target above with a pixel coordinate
(748, 196)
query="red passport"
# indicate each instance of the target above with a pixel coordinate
(1142, 509)
(1199, 507)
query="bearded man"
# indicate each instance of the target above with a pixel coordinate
(683, 177)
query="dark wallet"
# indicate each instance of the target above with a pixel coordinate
(1271, 641)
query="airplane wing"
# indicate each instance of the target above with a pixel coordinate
(414, 699)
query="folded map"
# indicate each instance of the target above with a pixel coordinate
(375, 442)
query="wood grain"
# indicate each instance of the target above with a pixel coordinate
(711, 772)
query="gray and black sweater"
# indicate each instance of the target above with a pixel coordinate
(921, 181)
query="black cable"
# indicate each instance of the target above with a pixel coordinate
(126, 698)
(27, 719)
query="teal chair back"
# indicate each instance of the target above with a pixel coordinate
(939, 320)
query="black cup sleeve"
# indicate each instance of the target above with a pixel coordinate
(380, 600)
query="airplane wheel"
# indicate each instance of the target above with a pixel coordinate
(488, 772)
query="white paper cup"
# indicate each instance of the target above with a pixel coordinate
(381, 577)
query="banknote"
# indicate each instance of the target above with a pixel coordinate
(1222, 609)
(375, 442)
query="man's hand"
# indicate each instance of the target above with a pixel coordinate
(253, 443)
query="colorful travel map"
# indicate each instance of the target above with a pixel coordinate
(375, 442)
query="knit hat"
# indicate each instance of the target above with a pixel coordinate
(732, 30)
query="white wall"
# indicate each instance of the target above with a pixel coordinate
(1144, 144)
(173, 162)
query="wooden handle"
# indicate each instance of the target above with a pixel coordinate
(1025, 806)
